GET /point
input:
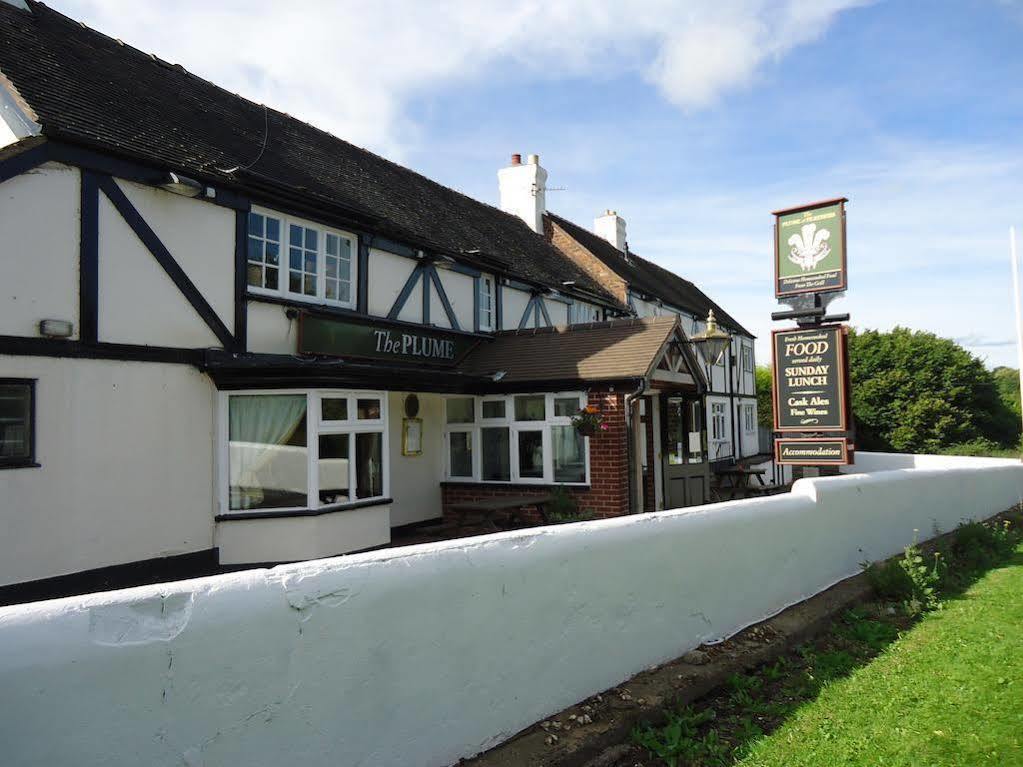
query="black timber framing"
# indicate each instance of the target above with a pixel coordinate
(362, 276)
(241, 286)
(54, 347)
(426, 272)
(163, 256)
(88, 263)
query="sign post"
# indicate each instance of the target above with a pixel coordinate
(812, 411)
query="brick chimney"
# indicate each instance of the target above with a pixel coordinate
(522, 188)
(611, 227)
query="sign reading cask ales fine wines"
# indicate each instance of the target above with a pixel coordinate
(811, 451)
(810, 387)
(809, 249)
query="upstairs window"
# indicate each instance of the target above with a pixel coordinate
(580, 312)
(17, 423)
(318, 262)
(264, 251)
(485, 301)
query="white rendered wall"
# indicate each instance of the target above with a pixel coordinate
(558, 312)
(461, 292)
(138, 301)
(513, 304)
(126, 454)
(269, 331)
(427, 654)
(39, 249)
(200, 236)
(874, 462)
(415, 479)
(388, 274)
(289, 539)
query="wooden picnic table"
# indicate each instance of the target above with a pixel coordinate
(487, 508)
(739, 479)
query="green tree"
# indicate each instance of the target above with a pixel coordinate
(916, 392)
(1007, 381)
(765, 402)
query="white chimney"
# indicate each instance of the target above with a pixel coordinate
(611, 227)
(522, 189)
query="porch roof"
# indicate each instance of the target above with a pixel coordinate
(615, 350)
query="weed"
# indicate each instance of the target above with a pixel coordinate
(775, 671)
(677, 739)
(856, 626)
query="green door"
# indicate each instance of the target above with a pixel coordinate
(686, 469)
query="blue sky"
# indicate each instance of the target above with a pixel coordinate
(693, 119)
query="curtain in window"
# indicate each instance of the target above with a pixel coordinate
(569, 454)
(265, 470)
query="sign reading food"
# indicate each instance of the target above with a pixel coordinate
(810, 386)
(811, 451)
(809, 249)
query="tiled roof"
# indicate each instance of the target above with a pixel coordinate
(89, 89)
(599, 351)
(647, 277)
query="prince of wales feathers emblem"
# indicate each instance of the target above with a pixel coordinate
(809, 247)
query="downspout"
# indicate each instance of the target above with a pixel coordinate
(628, 400)
(736, 447)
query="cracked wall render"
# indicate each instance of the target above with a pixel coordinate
(427, 654)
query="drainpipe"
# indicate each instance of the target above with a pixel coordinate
(629, 448)
(737, 449)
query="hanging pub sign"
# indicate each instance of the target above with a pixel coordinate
(380, 341)
(810, 379)
(809, 249)
(811, 451)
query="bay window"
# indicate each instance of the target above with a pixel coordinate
(318, 263)
(526, 438)
(297, 450)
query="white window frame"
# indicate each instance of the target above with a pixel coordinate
(749, 421)
(485, 302)
(284, 262)
(515, 427)
(315, 426)
(719, 428)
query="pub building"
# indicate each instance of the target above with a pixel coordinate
(229, 338)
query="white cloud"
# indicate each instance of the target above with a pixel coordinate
(350, 67)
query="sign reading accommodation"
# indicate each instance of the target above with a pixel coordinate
(809, 249)
(810, 387)
(342, 338)
(811, 451)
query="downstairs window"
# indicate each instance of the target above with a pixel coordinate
(304, 450)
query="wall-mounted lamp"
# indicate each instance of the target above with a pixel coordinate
(712, 341)
(56, 328)
(188, 187)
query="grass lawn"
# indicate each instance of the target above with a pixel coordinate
(948, 693)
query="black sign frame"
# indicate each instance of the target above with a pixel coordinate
(846, 458)
(843, 277)
(838, 357)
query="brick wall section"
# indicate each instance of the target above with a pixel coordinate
(589, 263)
(608, 493)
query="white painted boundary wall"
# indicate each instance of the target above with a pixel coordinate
(423, 655)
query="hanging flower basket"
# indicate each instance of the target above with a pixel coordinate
(589, 421)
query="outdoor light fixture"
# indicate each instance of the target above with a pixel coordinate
(182, 185)
(56, 328)
(712, 342)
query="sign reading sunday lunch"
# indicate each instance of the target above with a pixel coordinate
(809, 249)
(809, 379)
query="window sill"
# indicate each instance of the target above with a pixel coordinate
(514, 485)
(235, 516)
(21, 465)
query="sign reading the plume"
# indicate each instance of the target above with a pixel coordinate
(809, 249)
(379, 340)
(810, 383)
